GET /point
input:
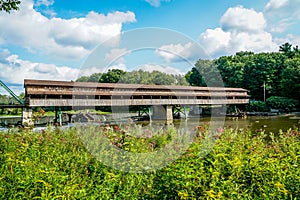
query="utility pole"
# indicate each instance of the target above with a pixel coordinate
(264, 91)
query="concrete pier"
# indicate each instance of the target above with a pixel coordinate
(163, 113)
(27, 117)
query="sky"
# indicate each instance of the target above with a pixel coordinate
(63, 40)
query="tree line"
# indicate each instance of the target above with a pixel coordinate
(135, 77)
(277, 72)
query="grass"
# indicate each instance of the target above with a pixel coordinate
(55, 164)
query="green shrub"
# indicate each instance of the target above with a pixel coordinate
(282, 103)
(257, 106)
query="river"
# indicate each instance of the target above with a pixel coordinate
(267, 123)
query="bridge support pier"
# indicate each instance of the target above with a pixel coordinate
(169, 111)
(163, 113)
(27, 117)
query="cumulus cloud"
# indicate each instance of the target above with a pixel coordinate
(215, 40)
(156, 3)
(161, 68)
(57, 37)
(242, 19)
(241, 29)
(15, 70)
(180, 52)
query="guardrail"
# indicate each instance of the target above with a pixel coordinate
(132, 102)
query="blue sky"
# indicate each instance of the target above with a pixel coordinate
(52, 39)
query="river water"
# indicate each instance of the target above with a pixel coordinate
(267, 123)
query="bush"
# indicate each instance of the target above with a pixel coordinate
(257, 106)
(282, 103)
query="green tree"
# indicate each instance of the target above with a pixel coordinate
(150, 78)
(263, 68)
(180, 79)
(134, 77)
(290, 82)
(112, 76)
(9, 5)
(194, 78)
(83, 79)
(204, 73)
(92, 78)
(282, 103)
(232, 68)
(286, 49)
(95, 77)
(160, 78)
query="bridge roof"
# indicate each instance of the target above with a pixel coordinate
(49, 83)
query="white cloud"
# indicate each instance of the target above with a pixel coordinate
(15, 70)
(57, 37)
(4, 53)
(241, 29)
(179, 52)
(44, 2)
(275, 4)
(258, 42)
(91, 70)
(156, 3)
(280, 8)
(242, 19)
(281, 14)
(290, 38)
(215, 40)
(161, 68)
(281, 25)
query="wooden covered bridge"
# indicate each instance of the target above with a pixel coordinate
(46, 93)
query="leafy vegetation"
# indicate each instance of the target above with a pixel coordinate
(278, 70)
(257, 106)
(135, 77)
(8, 100)
(282, 103)
(9, 5)
(54, 164)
